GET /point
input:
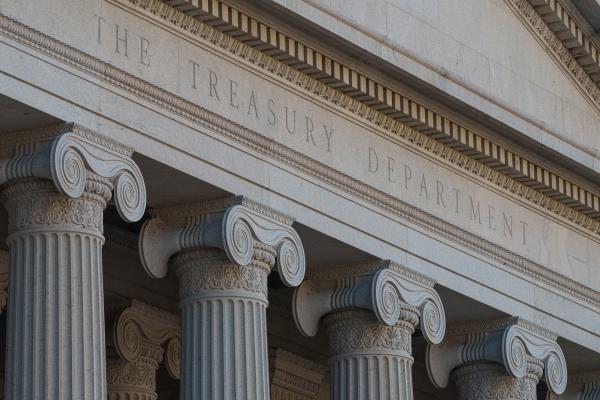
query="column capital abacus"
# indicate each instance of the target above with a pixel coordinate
(237, 225)
(389, 290)
(519, 346)
(77, 160)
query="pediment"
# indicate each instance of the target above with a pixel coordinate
(566, 40)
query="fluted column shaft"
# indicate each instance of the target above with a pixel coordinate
(370, 360)
(55, 330)
(485, 380)
(224, 331)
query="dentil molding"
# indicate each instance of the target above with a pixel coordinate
(70, 155)
(234, 224)
(383, 287)
(275, 43)
(509, 342)
(108, 73)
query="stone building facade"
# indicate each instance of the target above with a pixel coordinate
(300, 200)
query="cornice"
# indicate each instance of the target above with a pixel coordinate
(391, 126)
(562, 19)
(558, 49)
(380, 97)
(261, 144)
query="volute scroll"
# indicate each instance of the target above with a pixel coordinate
(66, 154)
(510, 342)
(383, 287)
(232, 224)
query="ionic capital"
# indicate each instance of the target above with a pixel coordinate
(69, 155)
(581, 386)
(233, 224)
(511, 342)
(382, 287)
(141, 331)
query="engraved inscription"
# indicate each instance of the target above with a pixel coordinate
(445, 197)
(255, 104)
(122, 41)
(235, 88)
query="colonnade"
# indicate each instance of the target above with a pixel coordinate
(56, 184)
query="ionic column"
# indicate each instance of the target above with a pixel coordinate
(580, 386)
(222, 252)
(370, 312)
(141, 337)
(55, 186)
(294, 377)
(500, 359)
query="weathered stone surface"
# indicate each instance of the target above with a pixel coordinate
(294, 377)
(498, 359)
(141, 338)
(282, 113)
(222, 252)
(55, 328)
(370, 312)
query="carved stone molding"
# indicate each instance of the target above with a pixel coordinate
(525, 10)
(482, 380)
(140, 338)
(273, 42)
(222, 252)
(198, 115)
(294, 377)
(71, 157)
(512, 343)
(368, 357)
(369, 312)
(581, 386)
(3, 279)
(233, 224)
(55, 184)
(358, 331)
(383, 287)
